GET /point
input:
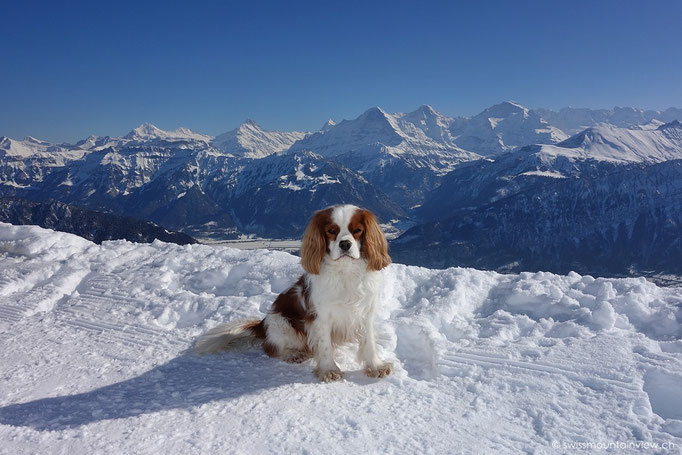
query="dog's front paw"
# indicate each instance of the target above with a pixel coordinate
(328, 375)
(379, 372)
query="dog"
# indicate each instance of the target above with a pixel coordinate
(334, 302)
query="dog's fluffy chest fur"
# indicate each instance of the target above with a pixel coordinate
(344, 282)
(343, 297)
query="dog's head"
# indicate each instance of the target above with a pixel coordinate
(344, 233)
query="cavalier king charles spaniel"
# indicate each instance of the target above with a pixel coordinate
(333, 302)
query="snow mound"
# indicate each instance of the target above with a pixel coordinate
(484, 361)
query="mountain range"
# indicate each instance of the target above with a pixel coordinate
(466, 183)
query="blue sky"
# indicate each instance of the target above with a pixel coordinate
(71, 69)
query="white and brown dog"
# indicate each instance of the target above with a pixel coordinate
(334, 302)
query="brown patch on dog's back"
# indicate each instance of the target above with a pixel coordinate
(293, 306)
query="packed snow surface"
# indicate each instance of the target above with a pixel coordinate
(93, 342)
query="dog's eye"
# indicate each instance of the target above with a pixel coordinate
(357, 231)
(332, 231)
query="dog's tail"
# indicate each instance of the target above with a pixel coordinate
(233, 335)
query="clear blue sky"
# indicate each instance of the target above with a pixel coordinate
(70, 69)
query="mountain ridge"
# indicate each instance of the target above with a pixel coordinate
(408, 168)
(479, 134)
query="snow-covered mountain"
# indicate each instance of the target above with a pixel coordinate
(573, 120)
(593, 153)
(14, 149)
(416, 135)
(421, 165)
(502, 128)
(432, 123)
(611, 192)
(276, 195)
(608, 143)
(483, 362)
(148, 132)
(251, 141)
(405, 155)
(14, 152)
(426, 132)
(183, 182)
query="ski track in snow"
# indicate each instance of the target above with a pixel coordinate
(101, 293)
(94, 358)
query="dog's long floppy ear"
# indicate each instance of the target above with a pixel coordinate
(314, 243)
(374, 245)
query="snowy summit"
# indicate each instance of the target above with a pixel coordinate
(147, 131)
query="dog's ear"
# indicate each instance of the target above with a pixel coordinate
(314, 243)
(374, 245)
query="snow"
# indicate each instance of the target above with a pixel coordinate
(303, 181)
(93, 358)
(572, 120)
(252, 141)
(260, 243)
(551, 174)
(621, 145)
(419, 134)
(31, 147)
(502, 128)
(327, 125)
(494, 121)
(24, 148)
(147, 131)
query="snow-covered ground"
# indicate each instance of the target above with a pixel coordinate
(93, 340)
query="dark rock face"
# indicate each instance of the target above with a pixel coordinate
(304, 184)
(628, 221)
(95, 226)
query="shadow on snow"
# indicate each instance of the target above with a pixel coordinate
(183, 382)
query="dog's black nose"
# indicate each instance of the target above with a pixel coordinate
(344, 245)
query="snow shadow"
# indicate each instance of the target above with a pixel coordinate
(182, 383)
